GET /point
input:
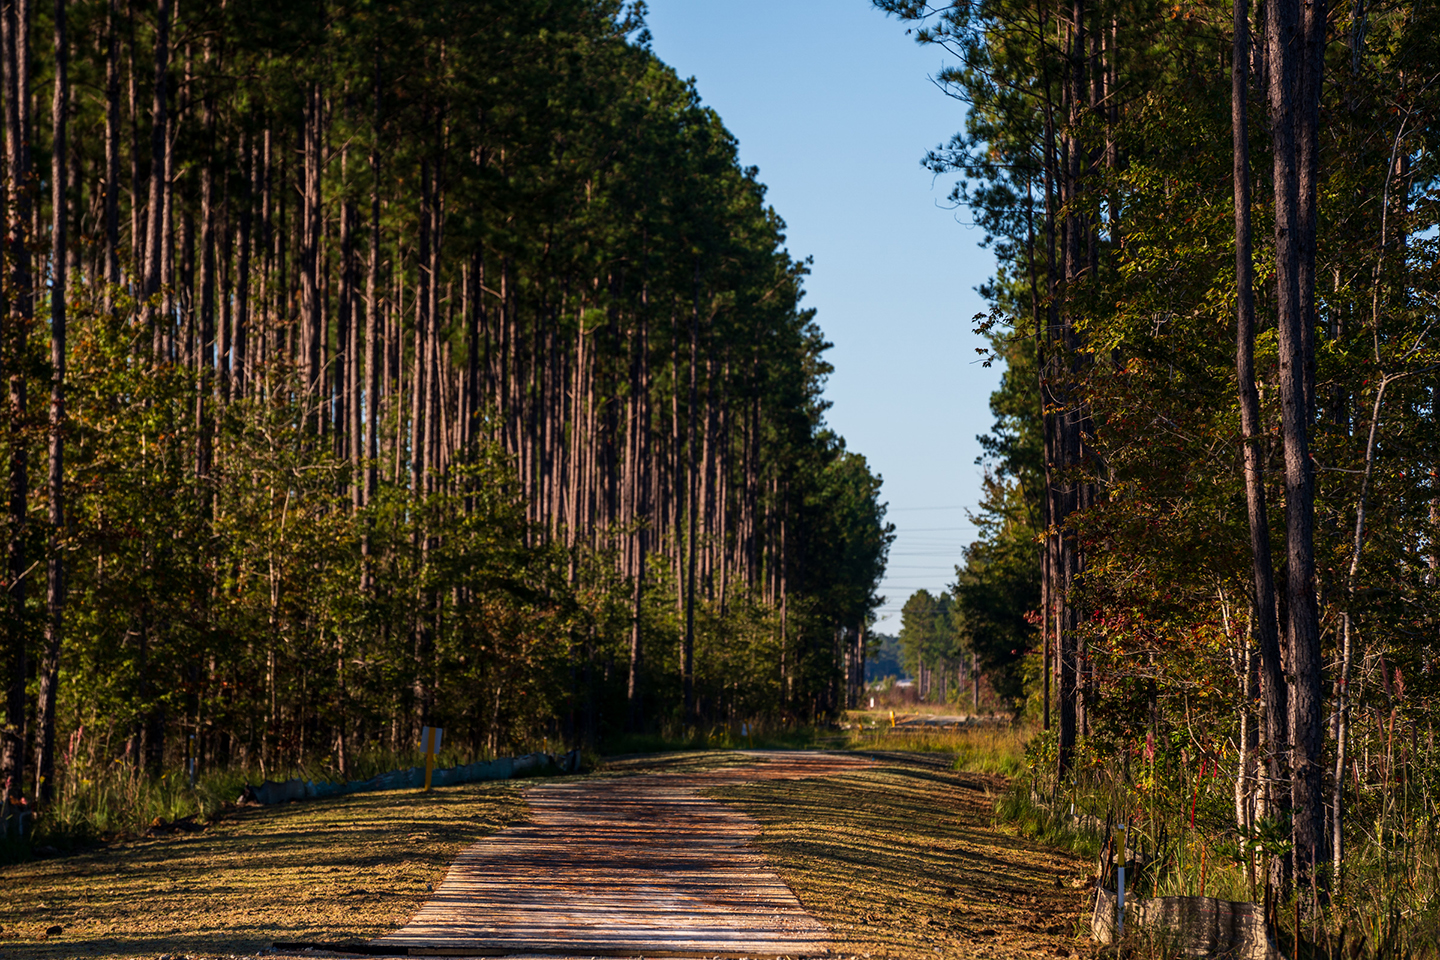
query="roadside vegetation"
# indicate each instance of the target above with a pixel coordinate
(899, 860)
(1175, 812)
(1207, 548)
(437, 365)
(120, 802)
(906, 859)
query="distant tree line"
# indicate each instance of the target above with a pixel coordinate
(377, 364)
(955, 644)
(883, 658)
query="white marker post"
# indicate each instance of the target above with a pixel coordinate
(430, 738)
(1120, 888)
(1119, 902)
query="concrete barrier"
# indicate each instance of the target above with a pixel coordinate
(1191, 926)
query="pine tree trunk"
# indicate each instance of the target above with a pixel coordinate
(132, 86)
(112, 153)
(1302, 627)
(326, 399)
(473, 297)
(166, 328)
(435, 380)
(55, 566)
(16, 23)
(186, 349)
(372, 352)
(1059, 428)
(1262, 598)
(634, 690)
(204, 310)
(309, 255)
(159, 149)
(226, 307)
(1307, 700)
(236, 359)
(395, 353)
(691, 506)
(350, 328)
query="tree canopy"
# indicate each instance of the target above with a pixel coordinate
(401, 364)
(1211, 507)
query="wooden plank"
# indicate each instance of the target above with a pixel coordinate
(636, 866)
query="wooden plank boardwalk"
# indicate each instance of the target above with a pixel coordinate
(635, 866)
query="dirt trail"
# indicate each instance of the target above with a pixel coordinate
(803, 854)
(899, 858)
(631, 866)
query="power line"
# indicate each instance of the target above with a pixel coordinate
(958, 506)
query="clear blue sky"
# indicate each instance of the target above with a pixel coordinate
(833, 102)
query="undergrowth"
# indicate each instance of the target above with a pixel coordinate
(1172, 819)
(988, 746)
(104, 802)
(736, 735)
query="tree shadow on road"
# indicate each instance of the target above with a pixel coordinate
(906, 861)
(349, 868)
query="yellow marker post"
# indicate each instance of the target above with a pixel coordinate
(430, 738)
(892, 718)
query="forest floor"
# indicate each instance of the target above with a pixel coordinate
(901, 859)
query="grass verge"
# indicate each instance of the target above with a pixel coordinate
(984, 746)
(980, 744)
(350, 868)
(904, 860)
(104, 802)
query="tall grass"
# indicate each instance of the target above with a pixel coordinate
(980, 745)
(1382, 902)
(118, 800)
(99, 801)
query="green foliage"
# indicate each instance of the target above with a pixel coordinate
(587, 341)
(1142, 334)
(927, 634)
(882, 658)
